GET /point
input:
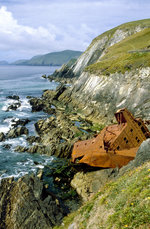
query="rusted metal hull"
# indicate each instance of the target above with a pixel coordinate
(115, 145)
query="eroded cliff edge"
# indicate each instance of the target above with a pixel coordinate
(113, 72)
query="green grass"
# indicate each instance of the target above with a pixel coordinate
(124, 203)
(118, 58)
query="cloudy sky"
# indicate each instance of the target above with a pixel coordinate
(32, 27)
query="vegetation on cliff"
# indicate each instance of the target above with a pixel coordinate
(123, 203)
(129, 54)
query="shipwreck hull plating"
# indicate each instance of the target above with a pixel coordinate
(115, 145)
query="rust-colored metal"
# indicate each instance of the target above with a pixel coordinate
(115, 145)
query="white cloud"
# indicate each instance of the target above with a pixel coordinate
(30, 41)
(34, 27)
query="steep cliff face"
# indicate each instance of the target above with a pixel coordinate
(114, 72)
(109, 93)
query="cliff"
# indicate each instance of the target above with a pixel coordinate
(114, 72)
(50, 59)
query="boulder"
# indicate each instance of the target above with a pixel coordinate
(20, 122)
(14, 97)
(37, 104)
(21, 149)
(2, 137)
(88, 183)
(25, 204)
(16, 132)
(13, 106)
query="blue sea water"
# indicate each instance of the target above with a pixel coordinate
(22, 81)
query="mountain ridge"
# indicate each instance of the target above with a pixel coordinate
(50, 59)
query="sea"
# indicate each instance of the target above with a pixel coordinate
(22, 81)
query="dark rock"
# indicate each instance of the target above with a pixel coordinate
(25, 204)
(59, 90)
(13, 106)
(6, 146)
(14, 97)
(16, 132)
(21, 149)
(33, 149)
(37, 104)
(2, 137)
(44, 76)
(32, 139)
(20, 122)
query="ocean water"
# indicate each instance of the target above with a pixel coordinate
(22, 81)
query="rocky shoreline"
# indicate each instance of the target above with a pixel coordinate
(61, 188)
(51, 185)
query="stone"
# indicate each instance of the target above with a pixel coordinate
(88, 183)
(16, 132)
(14, 106)
(21, 149)
(25, 204)
(14, 97)
(37, 104)
(2, 136)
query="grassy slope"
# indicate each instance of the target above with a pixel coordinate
(55, 58)
(124, 203)
(118, 58)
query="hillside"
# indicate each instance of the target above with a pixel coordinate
(3, 62)
(113, 72)
(131, 53)
(123, 203)
(50, 59)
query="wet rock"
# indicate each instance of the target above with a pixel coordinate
(33, 149)
(2, 136)
(44, 76)
(16, 132)
(6, 146)
(43, 125)
(14, 97)
(37, 104)
(32, 139)
(25, 204)
(14, 106)
(20, 122)
(21, 149)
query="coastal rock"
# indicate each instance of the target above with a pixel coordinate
(2, 136)
(36, 104)
(88, 183)
(14, 106)
(20, 122)
(14, 97)
(21, 149)
(16, 132)
(25, 204)
(32, 139)
(6, 146)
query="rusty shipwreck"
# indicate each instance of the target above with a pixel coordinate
(115, 145)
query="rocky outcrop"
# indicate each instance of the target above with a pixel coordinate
(101, 96)
(2, 136)
(25, 204)
(16, 132)
(99, 46)
(88, 183)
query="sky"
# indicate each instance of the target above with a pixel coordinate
(33, 27)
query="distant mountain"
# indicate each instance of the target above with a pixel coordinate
(50, 59)
(3, 62)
